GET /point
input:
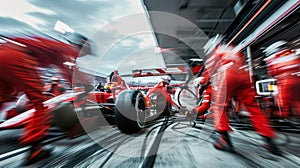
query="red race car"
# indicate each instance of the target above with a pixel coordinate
(71, 112)
(137, 105)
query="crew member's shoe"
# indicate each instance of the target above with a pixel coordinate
(36, 154)
(272, 149)
(223, 143)
(271, 146)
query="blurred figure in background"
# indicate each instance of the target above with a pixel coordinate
(99, 87)
(20, 58)
(231, 81)
(204, 91)
(118, 80)
(195, 65)
(55, 87)
(284, 65)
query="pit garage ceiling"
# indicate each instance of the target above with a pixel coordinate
(211, 17)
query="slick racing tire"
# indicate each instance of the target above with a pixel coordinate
(130, 111)
(64, 116)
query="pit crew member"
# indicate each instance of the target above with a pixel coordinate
(20, 57)
(283, 64)
(230, 80)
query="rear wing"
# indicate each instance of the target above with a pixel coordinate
(170, 70)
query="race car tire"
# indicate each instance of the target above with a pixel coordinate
(130, 105)
(64, 116)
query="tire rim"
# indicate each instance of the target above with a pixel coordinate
(141, 117)
(153, 100)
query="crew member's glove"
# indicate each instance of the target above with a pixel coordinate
(190, 114)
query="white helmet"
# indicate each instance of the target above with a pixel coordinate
(275, 47)
(166, 78)
(55, 78)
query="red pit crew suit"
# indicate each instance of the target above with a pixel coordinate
(205, 105)
(284, 65)
(232, 81)
(206, 94)
(20, 58)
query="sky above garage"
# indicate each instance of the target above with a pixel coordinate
(109, 23)
(85, 16)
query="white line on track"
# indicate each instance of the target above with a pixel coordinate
(13, 153)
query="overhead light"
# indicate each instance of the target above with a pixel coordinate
(196, 59)
(239, 6)
(251, 19)
(215, 39)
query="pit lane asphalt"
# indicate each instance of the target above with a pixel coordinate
(166, 143)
